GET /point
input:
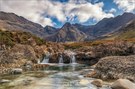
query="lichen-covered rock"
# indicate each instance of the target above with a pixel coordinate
(115, 67)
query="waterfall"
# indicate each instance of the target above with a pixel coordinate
(72, 59)
(38, 61)
(61, 59)
(46, 58)
(71, 55)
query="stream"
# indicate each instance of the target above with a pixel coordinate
(56, 76)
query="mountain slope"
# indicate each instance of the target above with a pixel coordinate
(110, 25)
(98, 31)
(9, 38)
(127, 32)
(67, 33)
(50, 30)
(11, 21)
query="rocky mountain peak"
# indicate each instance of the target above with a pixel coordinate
(67, 24)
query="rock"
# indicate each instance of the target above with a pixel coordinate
(92, 54)
(16, 71)
(86, 58)
(84, 82)
(92, 73)
(97, 82)
(123, 84)
(4, 81)
(28, 65)
(115, 67)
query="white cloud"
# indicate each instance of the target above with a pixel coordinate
(126, 5)
(87, 11)
(112, 10)
(28, 9)
(41, 11)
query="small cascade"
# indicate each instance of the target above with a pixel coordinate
(73, 59)
(71, 55)
(38, 61)
(46, 59)
(61, 59)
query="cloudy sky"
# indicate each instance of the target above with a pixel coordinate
(57, 12)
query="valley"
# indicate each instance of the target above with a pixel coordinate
(74, 56)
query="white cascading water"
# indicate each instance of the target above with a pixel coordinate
(71, 54)
(72, 59)
(61, 59)
(46, 59)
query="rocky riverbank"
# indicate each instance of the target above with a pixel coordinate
(92, 54)
(115, 67)
(19, 55)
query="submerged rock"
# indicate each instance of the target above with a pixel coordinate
(4, 81)
(16, 71)
(97, 82)
(84, 82)
(115, 67)
(123, 84)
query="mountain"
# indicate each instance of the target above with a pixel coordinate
(71, 32)
(106, 25)
(50, 30)
(110, 25)
(68, 33)
(86, 29)
(127, 32)
(11, 21)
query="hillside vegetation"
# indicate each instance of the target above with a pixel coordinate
(128, 32)
(11, 38)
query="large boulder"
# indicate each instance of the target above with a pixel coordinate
(123, 84)
(115, 67)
